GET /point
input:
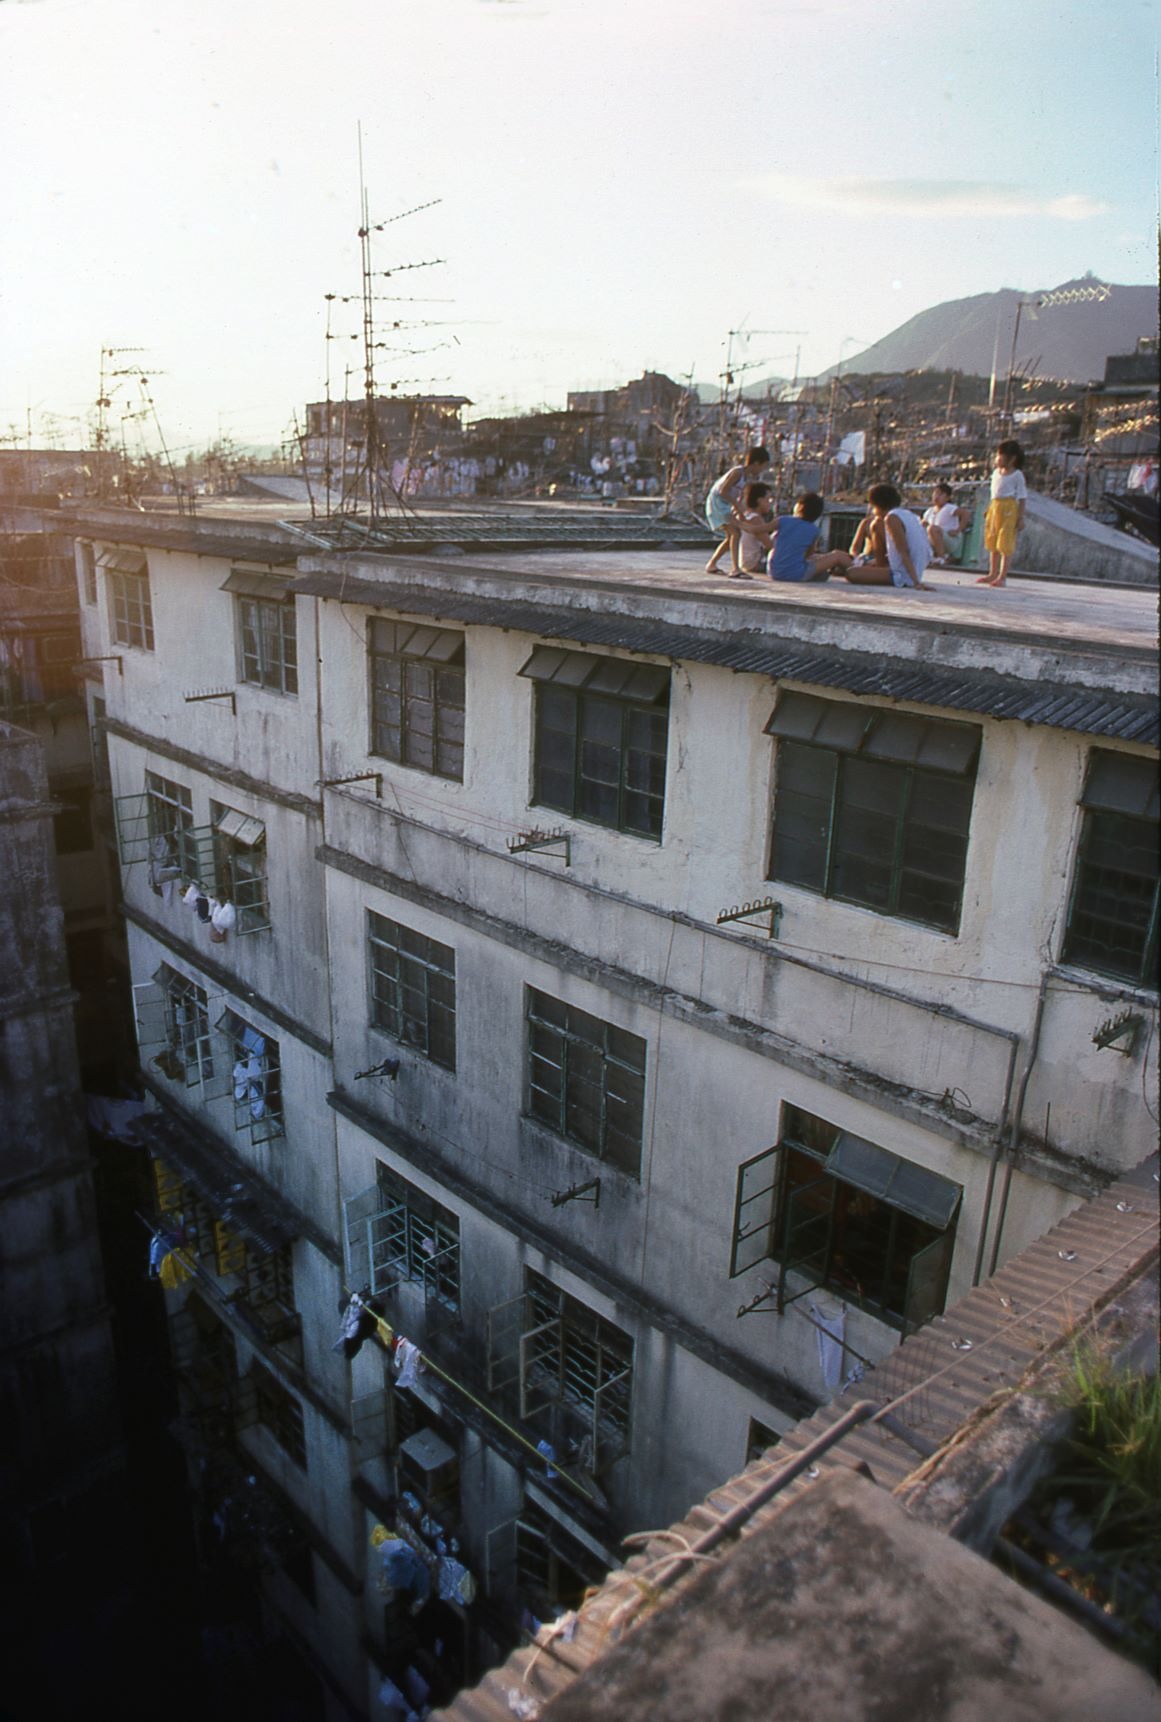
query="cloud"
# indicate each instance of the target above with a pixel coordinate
(925, 198)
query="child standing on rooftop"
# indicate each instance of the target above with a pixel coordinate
(720, 509)
(1005, 516)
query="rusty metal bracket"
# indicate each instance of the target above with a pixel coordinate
(750, 915)
(556, 843)
(213, 694)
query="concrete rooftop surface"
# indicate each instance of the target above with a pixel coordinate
(1034, 605)
(844, 1607)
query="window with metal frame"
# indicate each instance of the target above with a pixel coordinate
(267, 631)
(552, 1570)
(130, 602)
(546, 1349)
(843, 1213)
(417, 696)
(416, 1239)
(601, 729)
(256, 1077)
(279, 1412)
(1113, 908)
(586, 1080)
(413, 989)
(239, 845)
(873, 807)
(173, 1018)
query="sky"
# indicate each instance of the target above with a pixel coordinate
(620, 184)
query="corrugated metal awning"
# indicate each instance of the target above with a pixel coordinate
(253, 583)
(923, 1194)
(619, 677)
(900, 737)
(118, 560)
(1118, 784)
(1097, 711)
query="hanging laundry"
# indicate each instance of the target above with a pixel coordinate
(456, 1583)
(160, 1246)
(402, 1568)
(190, 896)
(548, 1453)
(202, 907)
(174, 1271)
(396, 1707)
(249, 1076)
(831, 1324)
(223, 918)
(408, 1363)
(359, 1322)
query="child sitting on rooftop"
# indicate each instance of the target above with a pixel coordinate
(794, 535)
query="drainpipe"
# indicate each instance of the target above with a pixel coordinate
(1017, 1116)
(1001, 1129)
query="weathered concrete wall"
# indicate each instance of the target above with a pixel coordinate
(1059, 540)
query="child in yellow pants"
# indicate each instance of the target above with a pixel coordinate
(1005, 516)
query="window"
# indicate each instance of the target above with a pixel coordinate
(602, 728)
(88, 567)
(187, 1052)
(1112, 917)
(239, 864)
(280, 1413)
(267, 630)
(73, 827)
(553, 1570)
(845, 1214)
(130, 605)
(256, 1078)
(413, 989)
(417, 696)
(565, 1369)
(586, 1080)
(415, 1239)
(873, 807)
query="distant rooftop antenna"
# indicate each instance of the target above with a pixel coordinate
(369, 477)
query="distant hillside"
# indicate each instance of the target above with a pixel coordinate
(1070, 342)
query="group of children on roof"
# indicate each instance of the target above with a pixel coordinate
(892, 546)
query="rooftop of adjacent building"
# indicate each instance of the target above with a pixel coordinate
(775, 1595)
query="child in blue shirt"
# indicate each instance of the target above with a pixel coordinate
(794, 535)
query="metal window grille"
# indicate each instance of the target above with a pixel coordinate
(173, 1029)
(417, 696)
(268, 642)
(873, 807)
(251, 1056)
(130, 609)
(239, 865)
(547, 1350)
(586, 1080)
(394, 1232)
(413, 989)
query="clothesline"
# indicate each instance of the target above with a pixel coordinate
(387, 1337)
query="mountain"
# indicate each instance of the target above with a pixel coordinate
(1066, 341)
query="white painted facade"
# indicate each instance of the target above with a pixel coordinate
(925, 1043)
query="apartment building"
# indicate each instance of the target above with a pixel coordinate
(654, 998)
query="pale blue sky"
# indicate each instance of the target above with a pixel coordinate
(622, 182)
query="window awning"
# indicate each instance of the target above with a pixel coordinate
(241, 827)
(253, 583)
(1121, 783)
(417, 640)
(922, 1194)
(116, 560)
(845, 726)
(621, 678)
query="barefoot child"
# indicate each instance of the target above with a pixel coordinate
(794, 535)
(895, 547)
(1005, 516)
(756, 522)
(720, 510)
